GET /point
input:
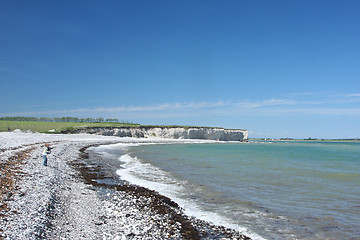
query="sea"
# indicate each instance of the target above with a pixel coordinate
(264, 189)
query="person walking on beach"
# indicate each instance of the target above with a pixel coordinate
(46, 151)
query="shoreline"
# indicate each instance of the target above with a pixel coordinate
(73, 198)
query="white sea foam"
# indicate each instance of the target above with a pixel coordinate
(151, 177)
(253, 168)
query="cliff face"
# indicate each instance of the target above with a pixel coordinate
(171, 132)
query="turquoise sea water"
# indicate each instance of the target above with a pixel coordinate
(269, 190)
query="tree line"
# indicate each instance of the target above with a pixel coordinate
(64, 119)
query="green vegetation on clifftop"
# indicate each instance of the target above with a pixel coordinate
(71, 124)
(55, 127)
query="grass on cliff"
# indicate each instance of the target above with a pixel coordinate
(57, 127)
(47, 127)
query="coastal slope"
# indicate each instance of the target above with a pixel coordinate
(65, 200)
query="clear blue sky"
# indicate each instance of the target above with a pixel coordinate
(277, 68)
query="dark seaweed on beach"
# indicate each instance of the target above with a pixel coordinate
(190, 228)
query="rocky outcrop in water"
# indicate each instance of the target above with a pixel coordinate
(219, 134)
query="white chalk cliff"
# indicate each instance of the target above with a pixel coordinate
(220, 134)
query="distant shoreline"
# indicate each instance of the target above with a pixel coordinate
(305, 140)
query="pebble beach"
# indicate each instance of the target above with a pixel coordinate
(66, 200)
